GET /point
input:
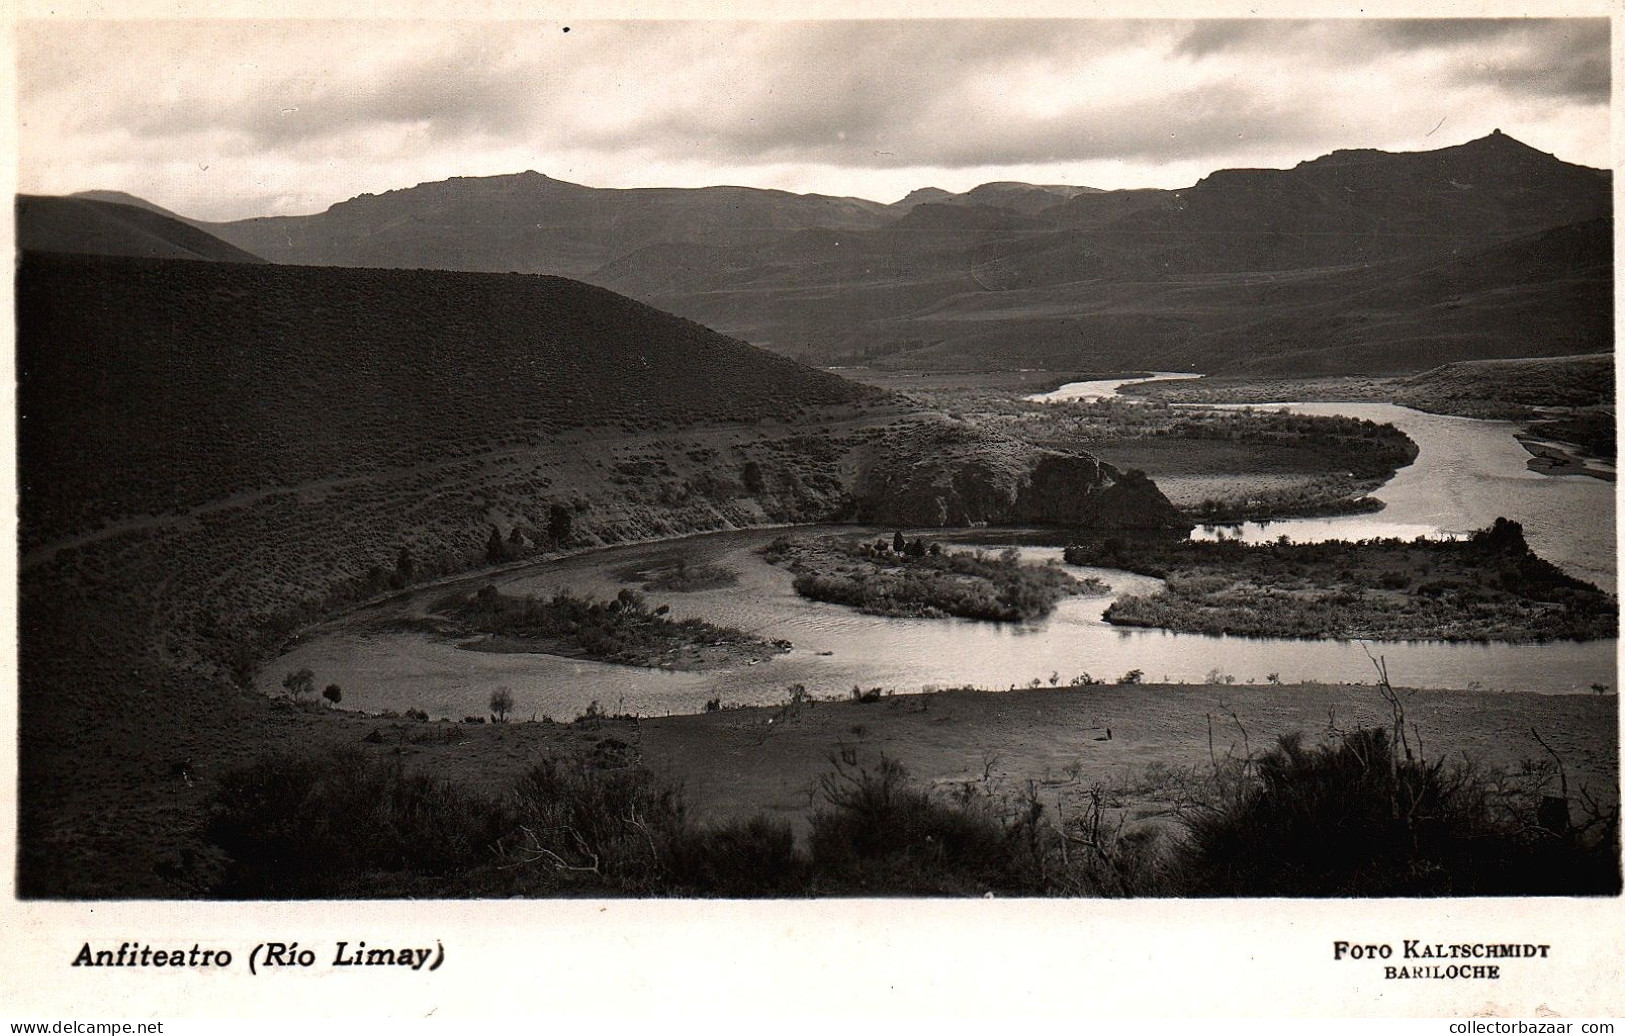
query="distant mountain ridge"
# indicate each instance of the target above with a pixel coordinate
(532, 223)
(1010, 275)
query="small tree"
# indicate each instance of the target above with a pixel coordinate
(559, 524)
(333, 694)
(630, 600)
(898, 543)
(405, 568)
(300, 682)
(495, 550)
(1132, 676)
(501, 704)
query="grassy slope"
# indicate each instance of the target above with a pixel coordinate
(734, 763)
(1406, 313)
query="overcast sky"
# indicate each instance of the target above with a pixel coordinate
(222, 120)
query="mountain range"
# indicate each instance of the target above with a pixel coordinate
(1357, 261)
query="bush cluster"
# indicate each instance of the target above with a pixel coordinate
(1356, 818)
(914, 579)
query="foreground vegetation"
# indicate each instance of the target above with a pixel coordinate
(1490, 586)
(623, 630)
(1361, 813)
(915, 579)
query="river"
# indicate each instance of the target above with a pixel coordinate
(1102, 388)
(1466, 474)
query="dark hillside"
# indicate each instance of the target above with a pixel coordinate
(1368, 206)
(125, 198)
(1030, 198)
(89, 226)
(1547, 293)
(229, 378)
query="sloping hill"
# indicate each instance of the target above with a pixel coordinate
(225, 378)
(92, 226)
(1369, 206)
(1030, 198)
(126, 198)
(1548, 293)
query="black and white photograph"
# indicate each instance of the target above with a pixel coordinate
(817, 460)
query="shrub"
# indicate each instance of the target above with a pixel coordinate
(1352, 818)
(308, 826)
(612, 824)
(882, 833)
(300, 682)
(754, 857)
(501, 704)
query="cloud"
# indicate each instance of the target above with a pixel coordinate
(1565, 59)
(239, 118)
(1446, 32)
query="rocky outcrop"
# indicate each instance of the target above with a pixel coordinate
(948, 474)
(1078, 490)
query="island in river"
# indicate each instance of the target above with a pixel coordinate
(910, 578)
(1487, 587)
(623, 630)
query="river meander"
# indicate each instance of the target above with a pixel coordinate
(1467, 473)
